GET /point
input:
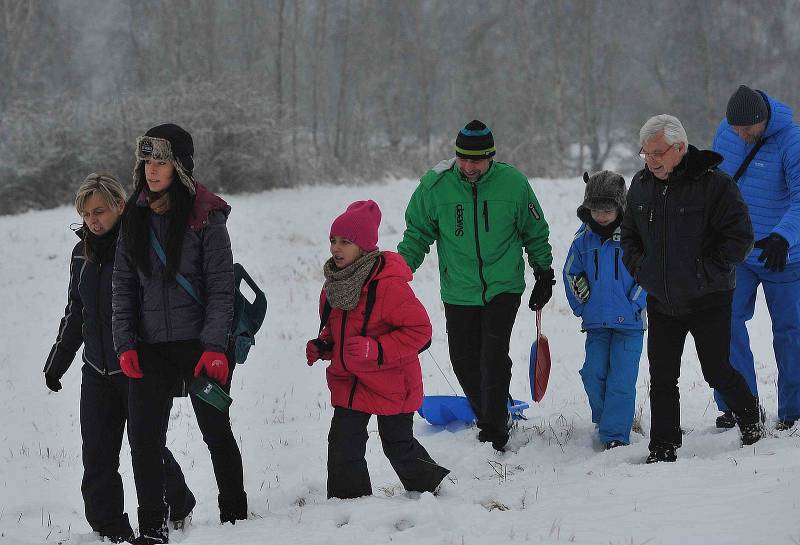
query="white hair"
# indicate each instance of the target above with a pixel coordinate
(671, 126)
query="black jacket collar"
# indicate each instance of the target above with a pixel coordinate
(694, 164)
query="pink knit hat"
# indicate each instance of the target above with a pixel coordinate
(359, 224)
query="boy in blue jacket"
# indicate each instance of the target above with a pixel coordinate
(612, 305)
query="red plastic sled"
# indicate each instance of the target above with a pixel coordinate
(540, 362)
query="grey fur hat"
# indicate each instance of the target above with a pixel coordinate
(605, 190)
(166, 142)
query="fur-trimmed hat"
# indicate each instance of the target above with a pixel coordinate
(167, 142)
(605, 190)
(359, 224)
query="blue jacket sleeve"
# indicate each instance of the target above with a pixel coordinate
(789, 225)
(70, 332)
(573, 267)
(715, 145)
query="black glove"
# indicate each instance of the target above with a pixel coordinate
(52, 382)
(323, 346)
(774, 250)
(542, 289)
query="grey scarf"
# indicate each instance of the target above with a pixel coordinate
(343, 286)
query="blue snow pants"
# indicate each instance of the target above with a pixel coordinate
(609, 378)
(782, 292)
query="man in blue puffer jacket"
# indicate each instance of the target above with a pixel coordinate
(602, 292)
(770, 185)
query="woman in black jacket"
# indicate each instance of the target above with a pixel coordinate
(104, 389)
(172, 317)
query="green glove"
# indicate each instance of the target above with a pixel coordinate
(580, 287)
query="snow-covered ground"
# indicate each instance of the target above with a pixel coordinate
(556, 488)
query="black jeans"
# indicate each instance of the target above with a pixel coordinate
(103, 412)
(711, 330)
(348, 476)
(478, 338)
(163, 364)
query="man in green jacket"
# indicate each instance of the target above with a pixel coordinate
(481, 214)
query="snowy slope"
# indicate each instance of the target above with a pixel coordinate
(557, 487)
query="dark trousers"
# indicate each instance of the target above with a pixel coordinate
(163, 365)
(478, 338)
(711, 330)
(348, 476)
(103, 412)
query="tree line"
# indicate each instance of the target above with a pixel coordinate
(281, 92)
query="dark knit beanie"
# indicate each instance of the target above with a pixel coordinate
(475, 141)
(746, 107)
(167, 142)
(605, 190)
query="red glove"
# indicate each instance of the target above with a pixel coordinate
(312, 353)
(317, 349)
(215, 364)
(361, 349)
(129, 362)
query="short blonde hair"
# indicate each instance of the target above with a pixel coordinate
(105, 185)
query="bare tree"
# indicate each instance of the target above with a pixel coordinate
(24, 57)
(347, 84)
(340, 142)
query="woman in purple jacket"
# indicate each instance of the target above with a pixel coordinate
(166, 336)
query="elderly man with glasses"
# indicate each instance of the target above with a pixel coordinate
(685, 229)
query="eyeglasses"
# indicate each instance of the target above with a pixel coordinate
(657, 155)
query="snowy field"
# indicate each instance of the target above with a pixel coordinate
(556, 488)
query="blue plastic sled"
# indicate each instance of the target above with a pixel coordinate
(442, 410)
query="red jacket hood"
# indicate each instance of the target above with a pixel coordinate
(204, 203)
(394, 267)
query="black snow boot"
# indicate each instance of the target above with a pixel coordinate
(661, 453)
(498, 439)
(232, 509)
(152, 527)
(726, 420)
(614, 444)
(179, 520)
(118, 538)
(751, 433)
(750, 423)
(118, 532)
(783, 425)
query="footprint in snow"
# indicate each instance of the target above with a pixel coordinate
(403, 524)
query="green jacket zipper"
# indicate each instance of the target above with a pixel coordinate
(477, 241)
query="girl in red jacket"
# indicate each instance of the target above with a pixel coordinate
(373, 328)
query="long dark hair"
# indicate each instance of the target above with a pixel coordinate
(136, 226)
